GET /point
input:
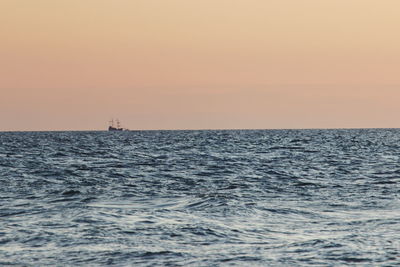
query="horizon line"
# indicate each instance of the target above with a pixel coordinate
(207, 129)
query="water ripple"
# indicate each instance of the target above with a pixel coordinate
(200, 198)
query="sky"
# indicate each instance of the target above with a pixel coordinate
(209, 64)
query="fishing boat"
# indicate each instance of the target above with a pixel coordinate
(115, 126)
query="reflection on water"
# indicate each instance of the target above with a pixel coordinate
(179, 198)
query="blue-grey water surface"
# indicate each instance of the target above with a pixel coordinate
(200, 198)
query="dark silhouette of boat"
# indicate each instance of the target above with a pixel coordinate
(115, 126)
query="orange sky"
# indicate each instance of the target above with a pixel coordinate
(182, 64)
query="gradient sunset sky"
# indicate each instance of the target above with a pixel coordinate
(199, 64)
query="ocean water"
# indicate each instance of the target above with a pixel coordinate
(200, 198)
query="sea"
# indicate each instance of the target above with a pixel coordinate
(200, 198)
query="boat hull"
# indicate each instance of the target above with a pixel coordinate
(114, 129)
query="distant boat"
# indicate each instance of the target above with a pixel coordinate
(115, 126)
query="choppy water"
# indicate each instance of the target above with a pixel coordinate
(200, 198)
